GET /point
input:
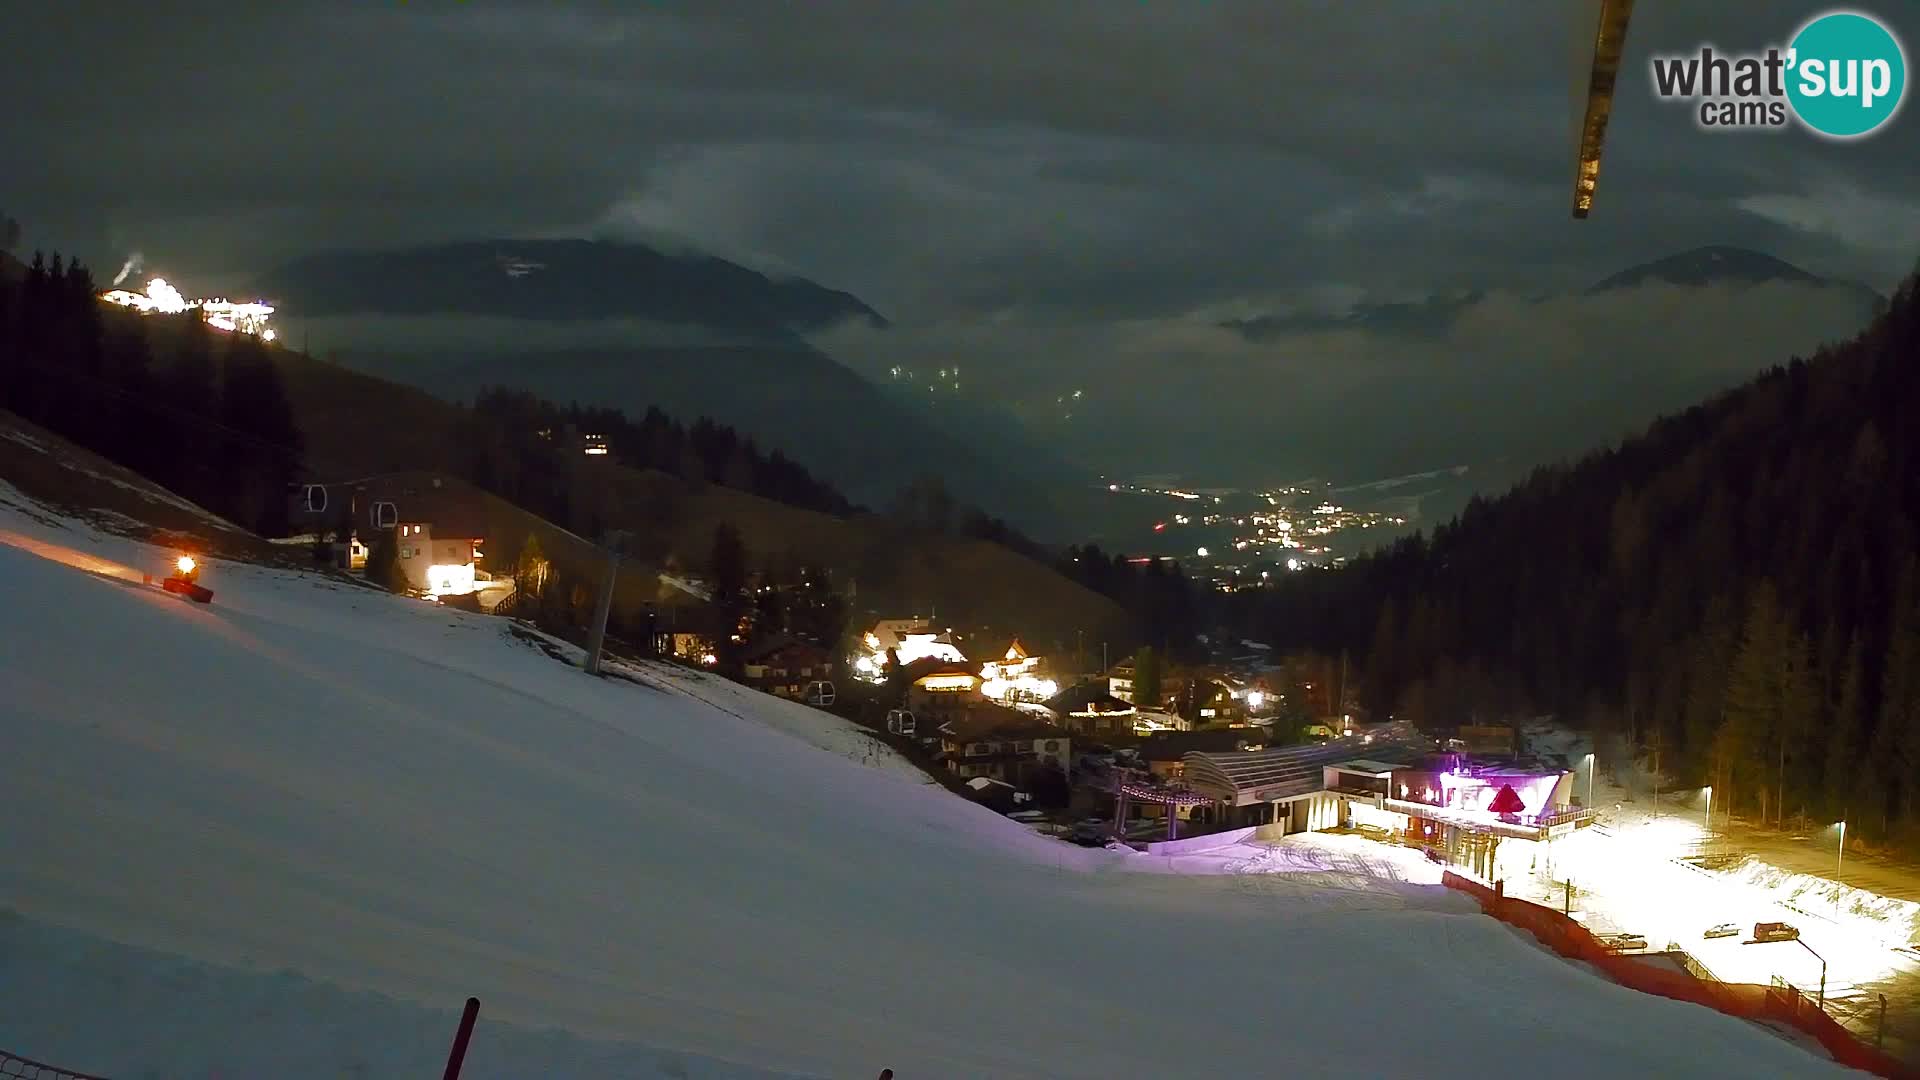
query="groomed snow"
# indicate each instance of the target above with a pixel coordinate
(670, 876)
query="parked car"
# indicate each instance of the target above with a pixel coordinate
(1622, 942)
(1725, 929)
(1090, 833)
(1775, 931)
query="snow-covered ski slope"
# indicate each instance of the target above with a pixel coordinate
(286, 835)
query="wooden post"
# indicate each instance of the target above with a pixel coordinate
(459, 1053)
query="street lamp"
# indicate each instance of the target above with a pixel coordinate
(1591, 762)
(1709, 811)
(1840, 857)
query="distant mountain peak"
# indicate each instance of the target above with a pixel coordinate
(1711, 265)
(1715, 264)
(1415, 318)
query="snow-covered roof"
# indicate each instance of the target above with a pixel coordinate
(1245, 777)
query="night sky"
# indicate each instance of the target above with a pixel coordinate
(1067, 188)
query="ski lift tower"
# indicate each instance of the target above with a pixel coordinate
(614, 543)
(1603, 25)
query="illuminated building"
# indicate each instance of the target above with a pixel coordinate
(940, 692)
(908, 640)
(1016, 677)
(1461, 810)
(438, 524)
(1088, 709)
(221, 314)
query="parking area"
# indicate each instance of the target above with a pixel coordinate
(1634, 880)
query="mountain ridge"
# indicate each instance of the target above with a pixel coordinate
(1714, 264)
(625, 325)
(561, 280)
(1742, 573)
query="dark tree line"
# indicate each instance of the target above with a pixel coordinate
(202, 412)
(703, 452)
(927, 506)
(1736, 589)
(1156, 592)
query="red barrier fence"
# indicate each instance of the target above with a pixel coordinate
(1568, 938)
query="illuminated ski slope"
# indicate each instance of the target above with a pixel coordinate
(678, 878)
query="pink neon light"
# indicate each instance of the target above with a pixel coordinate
(1473, 793)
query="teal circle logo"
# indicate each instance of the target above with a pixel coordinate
(1847, 74)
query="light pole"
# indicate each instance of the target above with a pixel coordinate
(1709, 811)
(1841, 856)
(1592, 765)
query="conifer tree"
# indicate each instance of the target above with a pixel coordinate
(383, 563)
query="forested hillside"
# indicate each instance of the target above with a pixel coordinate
(207, 414)
(1736, 590)
(204, 414)
(705, 451)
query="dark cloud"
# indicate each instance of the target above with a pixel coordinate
(1045, 185)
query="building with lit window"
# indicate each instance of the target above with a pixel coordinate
(1460, 808)
(439, 526)
(1088, 709)
(940, 692)
(904, 641)
(1001, 744)
(786, 666)
(1016, 676)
